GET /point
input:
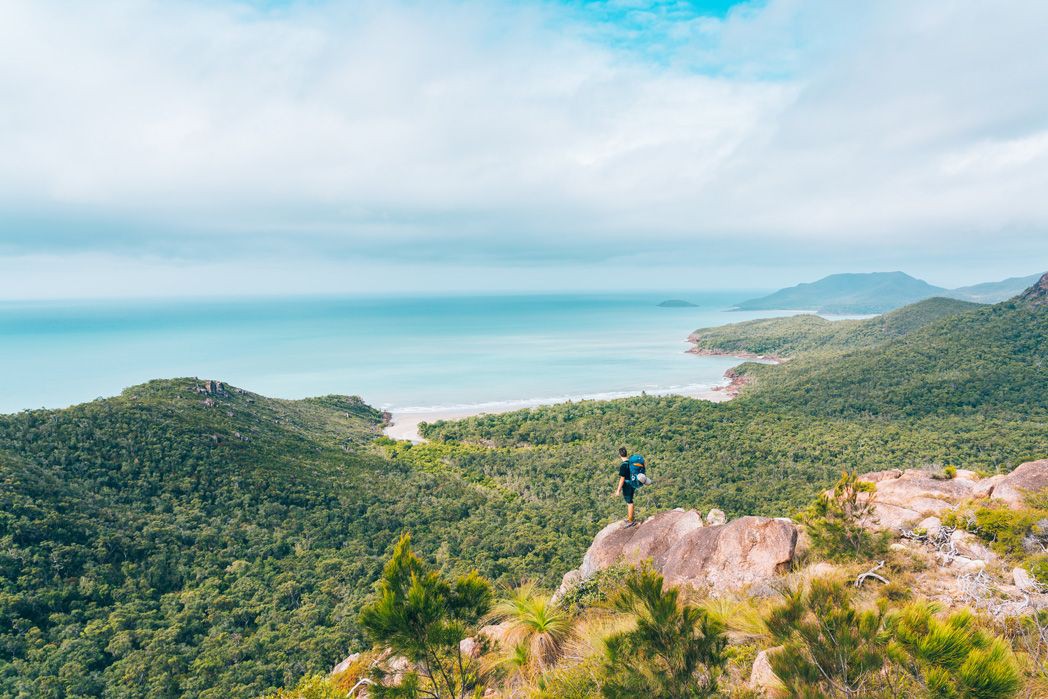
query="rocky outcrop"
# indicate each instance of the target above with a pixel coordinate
(685, 551)
(715, 517)
(1029, 477)
(905, 498)
(1037, 295)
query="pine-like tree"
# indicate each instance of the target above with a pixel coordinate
(675, 651)
(424, 617)
(838, 522)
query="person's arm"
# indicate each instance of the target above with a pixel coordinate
(618, 491)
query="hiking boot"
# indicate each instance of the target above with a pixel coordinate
(630, 523)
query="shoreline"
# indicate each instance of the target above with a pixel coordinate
(404, 424)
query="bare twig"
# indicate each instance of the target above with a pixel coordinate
(363, 681)
(871, 573)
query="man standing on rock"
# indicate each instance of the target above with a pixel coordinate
(630, 479)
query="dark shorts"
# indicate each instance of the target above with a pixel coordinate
(627, 493)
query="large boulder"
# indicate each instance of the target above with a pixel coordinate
(1029, 477)
(652, 539)
(903, 498)
(717, 558)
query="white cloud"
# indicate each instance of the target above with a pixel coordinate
(902, 122)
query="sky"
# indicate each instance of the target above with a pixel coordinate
(222, 147)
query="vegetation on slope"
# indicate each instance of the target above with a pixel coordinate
(786, 337)
(157, 545)
(991, 361)
(153, 546)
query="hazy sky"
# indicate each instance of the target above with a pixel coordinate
(220, 147)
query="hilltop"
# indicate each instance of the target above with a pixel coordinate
(877, 292)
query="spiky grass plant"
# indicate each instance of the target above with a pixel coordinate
(951, 656)
(742, 617)
(537, 628)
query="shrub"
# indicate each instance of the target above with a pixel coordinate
(1011, 532)
(829, 648)
(951, 656)
(597, 589)
(675, 650)
(1038, 567)
(948, 473)
(838, 522)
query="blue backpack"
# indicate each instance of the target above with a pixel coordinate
(636, 463)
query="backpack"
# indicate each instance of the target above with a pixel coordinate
(636, 463)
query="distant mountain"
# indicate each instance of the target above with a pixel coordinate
(994, 292)
(677, 303)
(878, 292)
(874, 292)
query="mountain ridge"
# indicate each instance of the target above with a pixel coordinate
(877, 292)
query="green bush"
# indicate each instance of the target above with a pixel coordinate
(829, 648)
(424, 617)
(675, 651)
(951, 656)
(1008, 530)
(1038, 567)
(838, 522)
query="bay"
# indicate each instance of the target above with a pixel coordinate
(400, 353)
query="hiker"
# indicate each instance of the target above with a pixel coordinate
(631, 477)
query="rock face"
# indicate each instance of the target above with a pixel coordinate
(762, 678)
(1031, 476)
(1036, 295)
(686, 552)
(905, 498)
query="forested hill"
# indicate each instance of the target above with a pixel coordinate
(785, 337)
(990, 361)
(171, 542)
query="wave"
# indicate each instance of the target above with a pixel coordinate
(517, 404)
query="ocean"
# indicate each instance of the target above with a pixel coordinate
(398, 353)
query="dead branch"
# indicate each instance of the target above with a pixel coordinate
(871, 573)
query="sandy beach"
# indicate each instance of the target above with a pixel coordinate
(404, 424)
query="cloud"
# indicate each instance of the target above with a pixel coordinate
(519, 133)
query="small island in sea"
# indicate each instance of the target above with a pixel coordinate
(677, 303)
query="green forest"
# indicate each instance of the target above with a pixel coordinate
(174, 543)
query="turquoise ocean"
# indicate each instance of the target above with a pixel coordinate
(398, 353)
